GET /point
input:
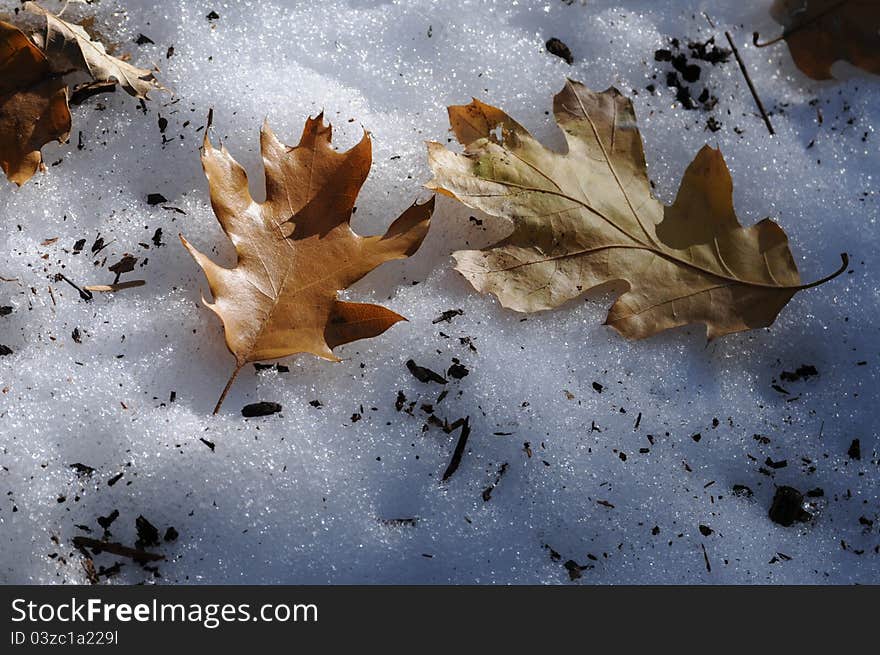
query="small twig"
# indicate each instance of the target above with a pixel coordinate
(228, 386)
(745, 73)
(487, 492)
(464, 423)
(116, 286)
(89, 567)
(115, 548)
(85, 295)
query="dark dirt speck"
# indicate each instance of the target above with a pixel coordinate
(558, 48)
(787, 507)
(262, 408)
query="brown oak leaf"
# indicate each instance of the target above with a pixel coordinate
(587, 218)
(821, 32)
(70, 48)
(296, 250)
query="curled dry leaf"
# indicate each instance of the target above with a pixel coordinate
(586, 218)
(296, 250)
(33, 105)
(821, 32)
(33, 96)
(70, 48)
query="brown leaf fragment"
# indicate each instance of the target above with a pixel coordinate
(69, 48)
(147, 533)
(423, 374)
(124, 265)
(822, 32)
(787, 507)
(296, 250)
(574, 569)
(855, 450)
(586, 218)
(447, 316)
(106, 521)
(33, 105)
(89, 568)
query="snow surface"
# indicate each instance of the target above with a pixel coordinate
(303, 496)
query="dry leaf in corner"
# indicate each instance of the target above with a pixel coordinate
(296, 250)
(70, 48)
(821, 32)
(33, 105)
(586, 218)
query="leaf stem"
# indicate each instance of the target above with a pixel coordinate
(756, 36)
(844, 258)
(228, 386)
(787, 33)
